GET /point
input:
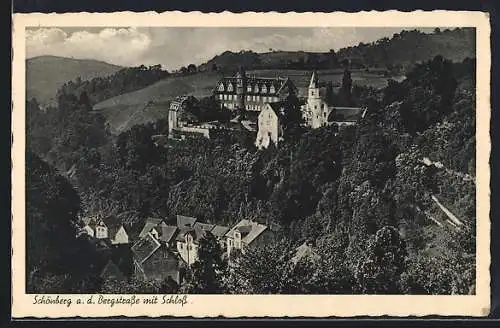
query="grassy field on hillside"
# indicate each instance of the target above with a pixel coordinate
(46, 74)
(137, 107)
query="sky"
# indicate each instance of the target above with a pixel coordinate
(173, 47)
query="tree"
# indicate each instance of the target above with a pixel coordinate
(191, 68)
(292, 118)
(52, 206)
(268, 270)
(384, 261)
(206, 273)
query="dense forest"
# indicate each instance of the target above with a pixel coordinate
(360, 196)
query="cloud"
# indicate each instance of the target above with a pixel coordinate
(174, 47)
(121, 46)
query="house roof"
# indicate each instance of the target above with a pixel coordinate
(149, 225)
(144, 247)
(113, 224)
(87, 220)
(346, 114)
(111, 271)
(185, 221)
(257, 85)
(167, 232)
(249, 230)
(304, 251)
(219, 231)
(201, 229)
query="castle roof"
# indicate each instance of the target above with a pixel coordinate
(253, 85)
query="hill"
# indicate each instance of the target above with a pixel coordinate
(402, 49)
(46, 74)
(150, 103)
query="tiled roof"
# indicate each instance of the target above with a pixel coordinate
(144, 247)
(150, 224)
(219, 231)
(249, 230)
(167, 232)
(257, 85)
(200, 230)
(304, 251)
(111, 271)
(185, 221)
(346, 114)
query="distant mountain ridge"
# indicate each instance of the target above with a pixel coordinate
(402, 49)
(46, 74)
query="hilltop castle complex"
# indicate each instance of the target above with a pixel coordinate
(266, 97)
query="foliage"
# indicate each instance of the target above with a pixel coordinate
(206, 273)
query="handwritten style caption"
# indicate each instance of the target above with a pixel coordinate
(111, 301)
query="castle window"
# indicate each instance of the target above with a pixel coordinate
(230, 87)
(256, 89)
(225, 97)
(249, 98)
(312, 93)
(258, 98)
(249, 88)
(254, 98)
(221, 87)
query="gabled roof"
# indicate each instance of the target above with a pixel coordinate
(345, 114)
(113, 224)
(111, 271)
(88, 220)
(167, 232)
(148, 226)
(304, 251)
(249, 230)
(219, 231)
(144, 247)
(185, 221)
(201, 229)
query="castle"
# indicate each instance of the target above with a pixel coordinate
(316, 113)
(251, 93)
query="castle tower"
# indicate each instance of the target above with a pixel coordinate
(241, 81)
(173, 116)
(314, 102)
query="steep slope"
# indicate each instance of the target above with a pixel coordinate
(150, 103)
(46, 74)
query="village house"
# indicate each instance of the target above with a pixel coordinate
(105, 229)
(270, 125)
(247, 233)
(179, 242)
(154, 260)
(250, 93)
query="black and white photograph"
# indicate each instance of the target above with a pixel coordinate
(247, 160)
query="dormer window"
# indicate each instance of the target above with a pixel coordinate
(256, 89)
(230, 87)
(264, 89)
(221, 87)
(271, 89)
